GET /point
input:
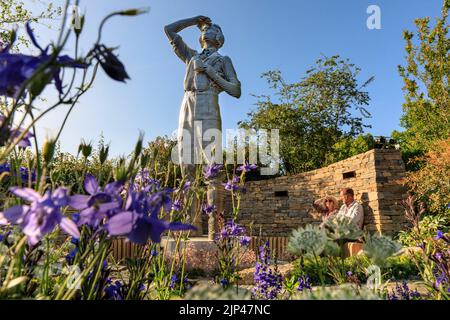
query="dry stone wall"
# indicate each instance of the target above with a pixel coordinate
(277, 206)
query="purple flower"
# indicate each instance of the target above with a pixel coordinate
(186, 186)
(114, 291)
(15, 69)
(267, 279)
(140, 220)
(176, 205)
(211, 171)
(76, 217)
(5, 236)
(42, 215)
(245, 241)
(438, 256)
(144, 181)
(208, 209)
(224, 282)
(139, 228)
(173, 281)
(404, 293)
(439, 235)
(304, 283)
(231, 185)
(98, 204)
(25, 141)
(71, 256)
(109, 62)
(160, 200)
(246, 167)
(7, 133)
(142, 177)
(441, 278)
(231, 230)
(23, 172)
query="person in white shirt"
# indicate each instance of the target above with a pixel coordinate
(351, 208)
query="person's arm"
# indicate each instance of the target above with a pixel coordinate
(231, 84)
(181, 49)
(319, 206)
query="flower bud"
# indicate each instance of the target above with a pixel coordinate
(85, 148)
(138, 147)
(30, 162)
(48, 150)
(40, 81)
(103, 154)
(78, 27)
(13, 36)
(109, 62)
(120, 171)
(134, 12)
(145, 159)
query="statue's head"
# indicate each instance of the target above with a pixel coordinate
(212, 34)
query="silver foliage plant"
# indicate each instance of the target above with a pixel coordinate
(308, 240)
(342, 228)
(378, 248)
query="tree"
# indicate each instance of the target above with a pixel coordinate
(426, 110)
(431, 183)
(350, 146)
(312, 114)
(14, 12)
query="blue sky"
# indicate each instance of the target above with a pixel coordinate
(259, 35)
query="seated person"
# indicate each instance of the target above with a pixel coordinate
(351, 208)
(327, 207)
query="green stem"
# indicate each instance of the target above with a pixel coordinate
(322, 280)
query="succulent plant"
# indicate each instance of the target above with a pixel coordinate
(342, 228)
(308, 240)
(332, 249)
(378, 248)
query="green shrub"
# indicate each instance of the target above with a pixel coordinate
(395, 268)
(427, 228)
(400, 268)
(353, 264)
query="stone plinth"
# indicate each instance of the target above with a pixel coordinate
(199, 243)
